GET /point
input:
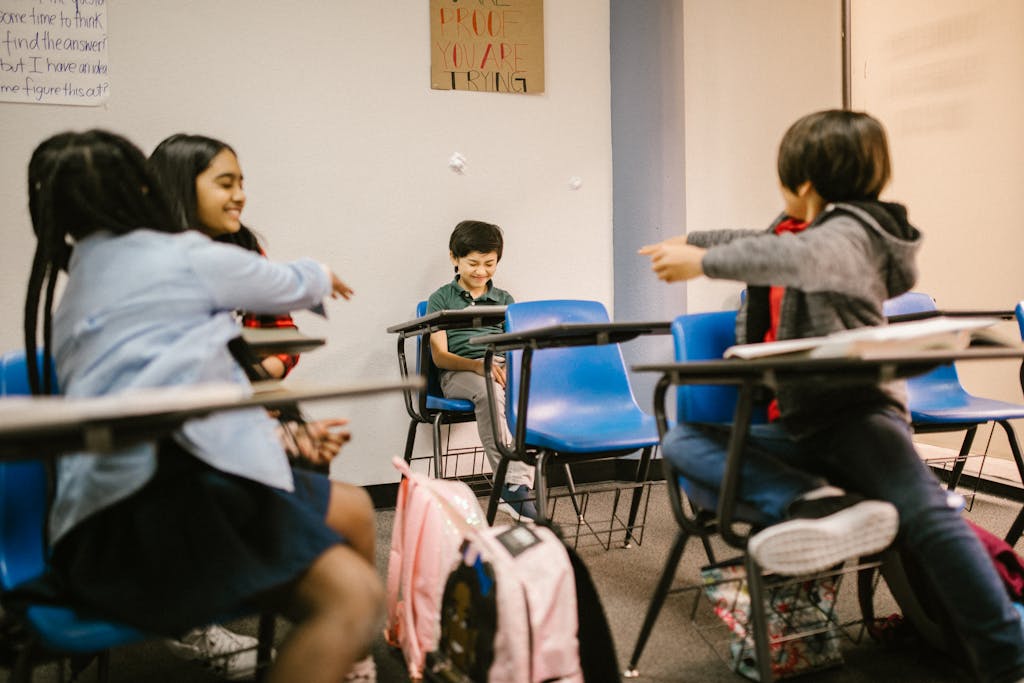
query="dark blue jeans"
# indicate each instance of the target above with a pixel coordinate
(872, 453)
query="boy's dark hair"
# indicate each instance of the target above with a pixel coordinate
(79, 184)
(470, 236)
(176, 162)
(844, 154)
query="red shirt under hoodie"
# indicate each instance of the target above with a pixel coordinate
(775, 302)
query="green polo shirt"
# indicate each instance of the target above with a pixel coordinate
(451, 297)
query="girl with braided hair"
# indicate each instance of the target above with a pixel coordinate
(211, 520)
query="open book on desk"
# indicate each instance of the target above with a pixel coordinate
(933, 334)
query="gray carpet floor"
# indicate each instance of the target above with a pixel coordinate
(681, 648)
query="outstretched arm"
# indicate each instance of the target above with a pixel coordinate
(243, 280)
(674, 260)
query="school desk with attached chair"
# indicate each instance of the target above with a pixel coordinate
(569, 397)
(36, 429)
(429, 405)
(748, 377)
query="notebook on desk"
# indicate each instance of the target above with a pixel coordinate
(934, 334)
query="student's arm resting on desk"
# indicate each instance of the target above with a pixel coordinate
(446, 360)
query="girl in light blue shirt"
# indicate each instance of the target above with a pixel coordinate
(211, 521)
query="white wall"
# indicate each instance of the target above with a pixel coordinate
(345, 151)
(751, 69)
(946, 76)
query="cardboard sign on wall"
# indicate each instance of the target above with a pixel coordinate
(487, 46)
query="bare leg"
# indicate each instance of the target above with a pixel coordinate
(350, 513)
(337, 610)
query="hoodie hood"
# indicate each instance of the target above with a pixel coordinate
(888, 222)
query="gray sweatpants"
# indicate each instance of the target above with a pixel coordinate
(469, 385)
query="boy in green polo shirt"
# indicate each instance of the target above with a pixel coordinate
(475, 248)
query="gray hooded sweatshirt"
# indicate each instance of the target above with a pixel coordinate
(837, 274)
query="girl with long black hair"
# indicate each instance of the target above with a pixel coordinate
(211, 520)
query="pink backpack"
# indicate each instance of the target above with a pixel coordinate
(509, 612)
(431, 519)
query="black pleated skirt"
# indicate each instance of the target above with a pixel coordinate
(194, 546)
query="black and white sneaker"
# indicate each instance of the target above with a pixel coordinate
(824, 533)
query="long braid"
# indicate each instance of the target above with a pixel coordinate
(45, 267)
(48, 373)
(35, 284)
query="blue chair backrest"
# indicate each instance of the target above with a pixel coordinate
(1019, 311)
(909, 303)
(566, 381)
(704, 336)
(942, 378)
(23, 495)
(432, 376)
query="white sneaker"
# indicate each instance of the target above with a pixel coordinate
(803, 546)
(507, 509)
(231, 655)
(511, 512)
(363, 671)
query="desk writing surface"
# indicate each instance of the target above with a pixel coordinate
(266, 341)
(447, 319)
(768, 370)
(876, 367)
(1002, 314)
(31, 412)
(571, 334)
(48, 425)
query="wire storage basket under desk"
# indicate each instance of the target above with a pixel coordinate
(588, 514)
(805, 631)
(597, 514)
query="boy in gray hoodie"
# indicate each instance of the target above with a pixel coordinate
(828, 264)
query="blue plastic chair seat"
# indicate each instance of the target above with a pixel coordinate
(590, 431)
(961, 408)
(452, 405)
(65, 630)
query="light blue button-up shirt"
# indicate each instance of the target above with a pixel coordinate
(151, 309)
